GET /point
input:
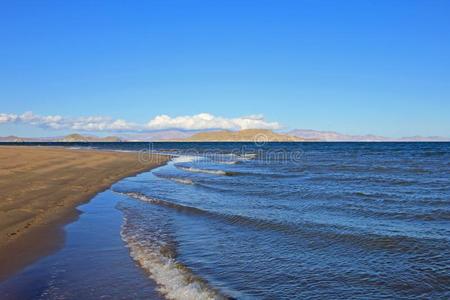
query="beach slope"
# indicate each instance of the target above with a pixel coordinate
(40, 189)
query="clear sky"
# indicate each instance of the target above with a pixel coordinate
(380, 67)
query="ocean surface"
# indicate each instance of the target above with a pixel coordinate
(261, 221)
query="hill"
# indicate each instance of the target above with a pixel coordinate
(11, 138)
(160, 135)
(247, 135)
(333, 136)
(84, 138)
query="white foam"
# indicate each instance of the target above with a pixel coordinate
(124, 151)
(182, 180)
(184, 158)
(174, 280)
(207, 171)
(248, 156)
(229, 162)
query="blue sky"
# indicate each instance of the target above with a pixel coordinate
(380, 67)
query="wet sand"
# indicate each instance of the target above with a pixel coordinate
(40, 189)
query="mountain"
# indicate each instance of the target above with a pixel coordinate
(259, 135)
(334, 136)
(17, 139)
(248, 135)
(88, 138)
(339, 137)
(11, 138)
(419, 138)
(160, 135)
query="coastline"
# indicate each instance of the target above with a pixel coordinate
(41, 189)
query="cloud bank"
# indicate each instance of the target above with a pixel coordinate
(57, 122)
(207, 121)
(203, 121)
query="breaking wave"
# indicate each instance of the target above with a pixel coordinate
(206, 171)
(158, 258)
(228, 162)
(177, 179)
(181, 180)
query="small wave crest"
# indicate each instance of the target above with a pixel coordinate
(248, 156)
(177, 179)
(184, 158)
(228, 162)
(206, 171)
(260, 224)
(181, 180)
(174, 280)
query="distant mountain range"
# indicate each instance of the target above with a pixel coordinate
(258, 135)
(88, 138)
(13, 138)
(161, 135)
(333, 136)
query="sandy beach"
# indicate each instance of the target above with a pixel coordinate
(40, 189)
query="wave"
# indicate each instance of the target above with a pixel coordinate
(235, 173)
(160, 202)
(184, 158)
(315, 232)
(231, 219)
(174, 280)
(434, 153)
(207, 171)
(228, 162)
(362, 179)
(181, 180)
(247, 156)
(379, 214)
(176, 179)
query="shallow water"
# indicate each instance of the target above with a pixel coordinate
(288, 221)
(93, 264)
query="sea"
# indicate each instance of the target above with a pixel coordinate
(308, 220)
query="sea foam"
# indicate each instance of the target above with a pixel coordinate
(158, 259)
(181, 180)
(208, 171)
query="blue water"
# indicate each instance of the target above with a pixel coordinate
(291, 220)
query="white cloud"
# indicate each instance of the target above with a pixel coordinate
(102, 124)
(7, 118)
(207, 121)
(90, 123)
(201, 121)
(53, 122)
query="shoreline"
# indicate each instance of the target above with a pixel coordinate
(41, 190)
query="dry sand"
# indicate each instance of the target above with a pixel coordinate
(40, 189)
